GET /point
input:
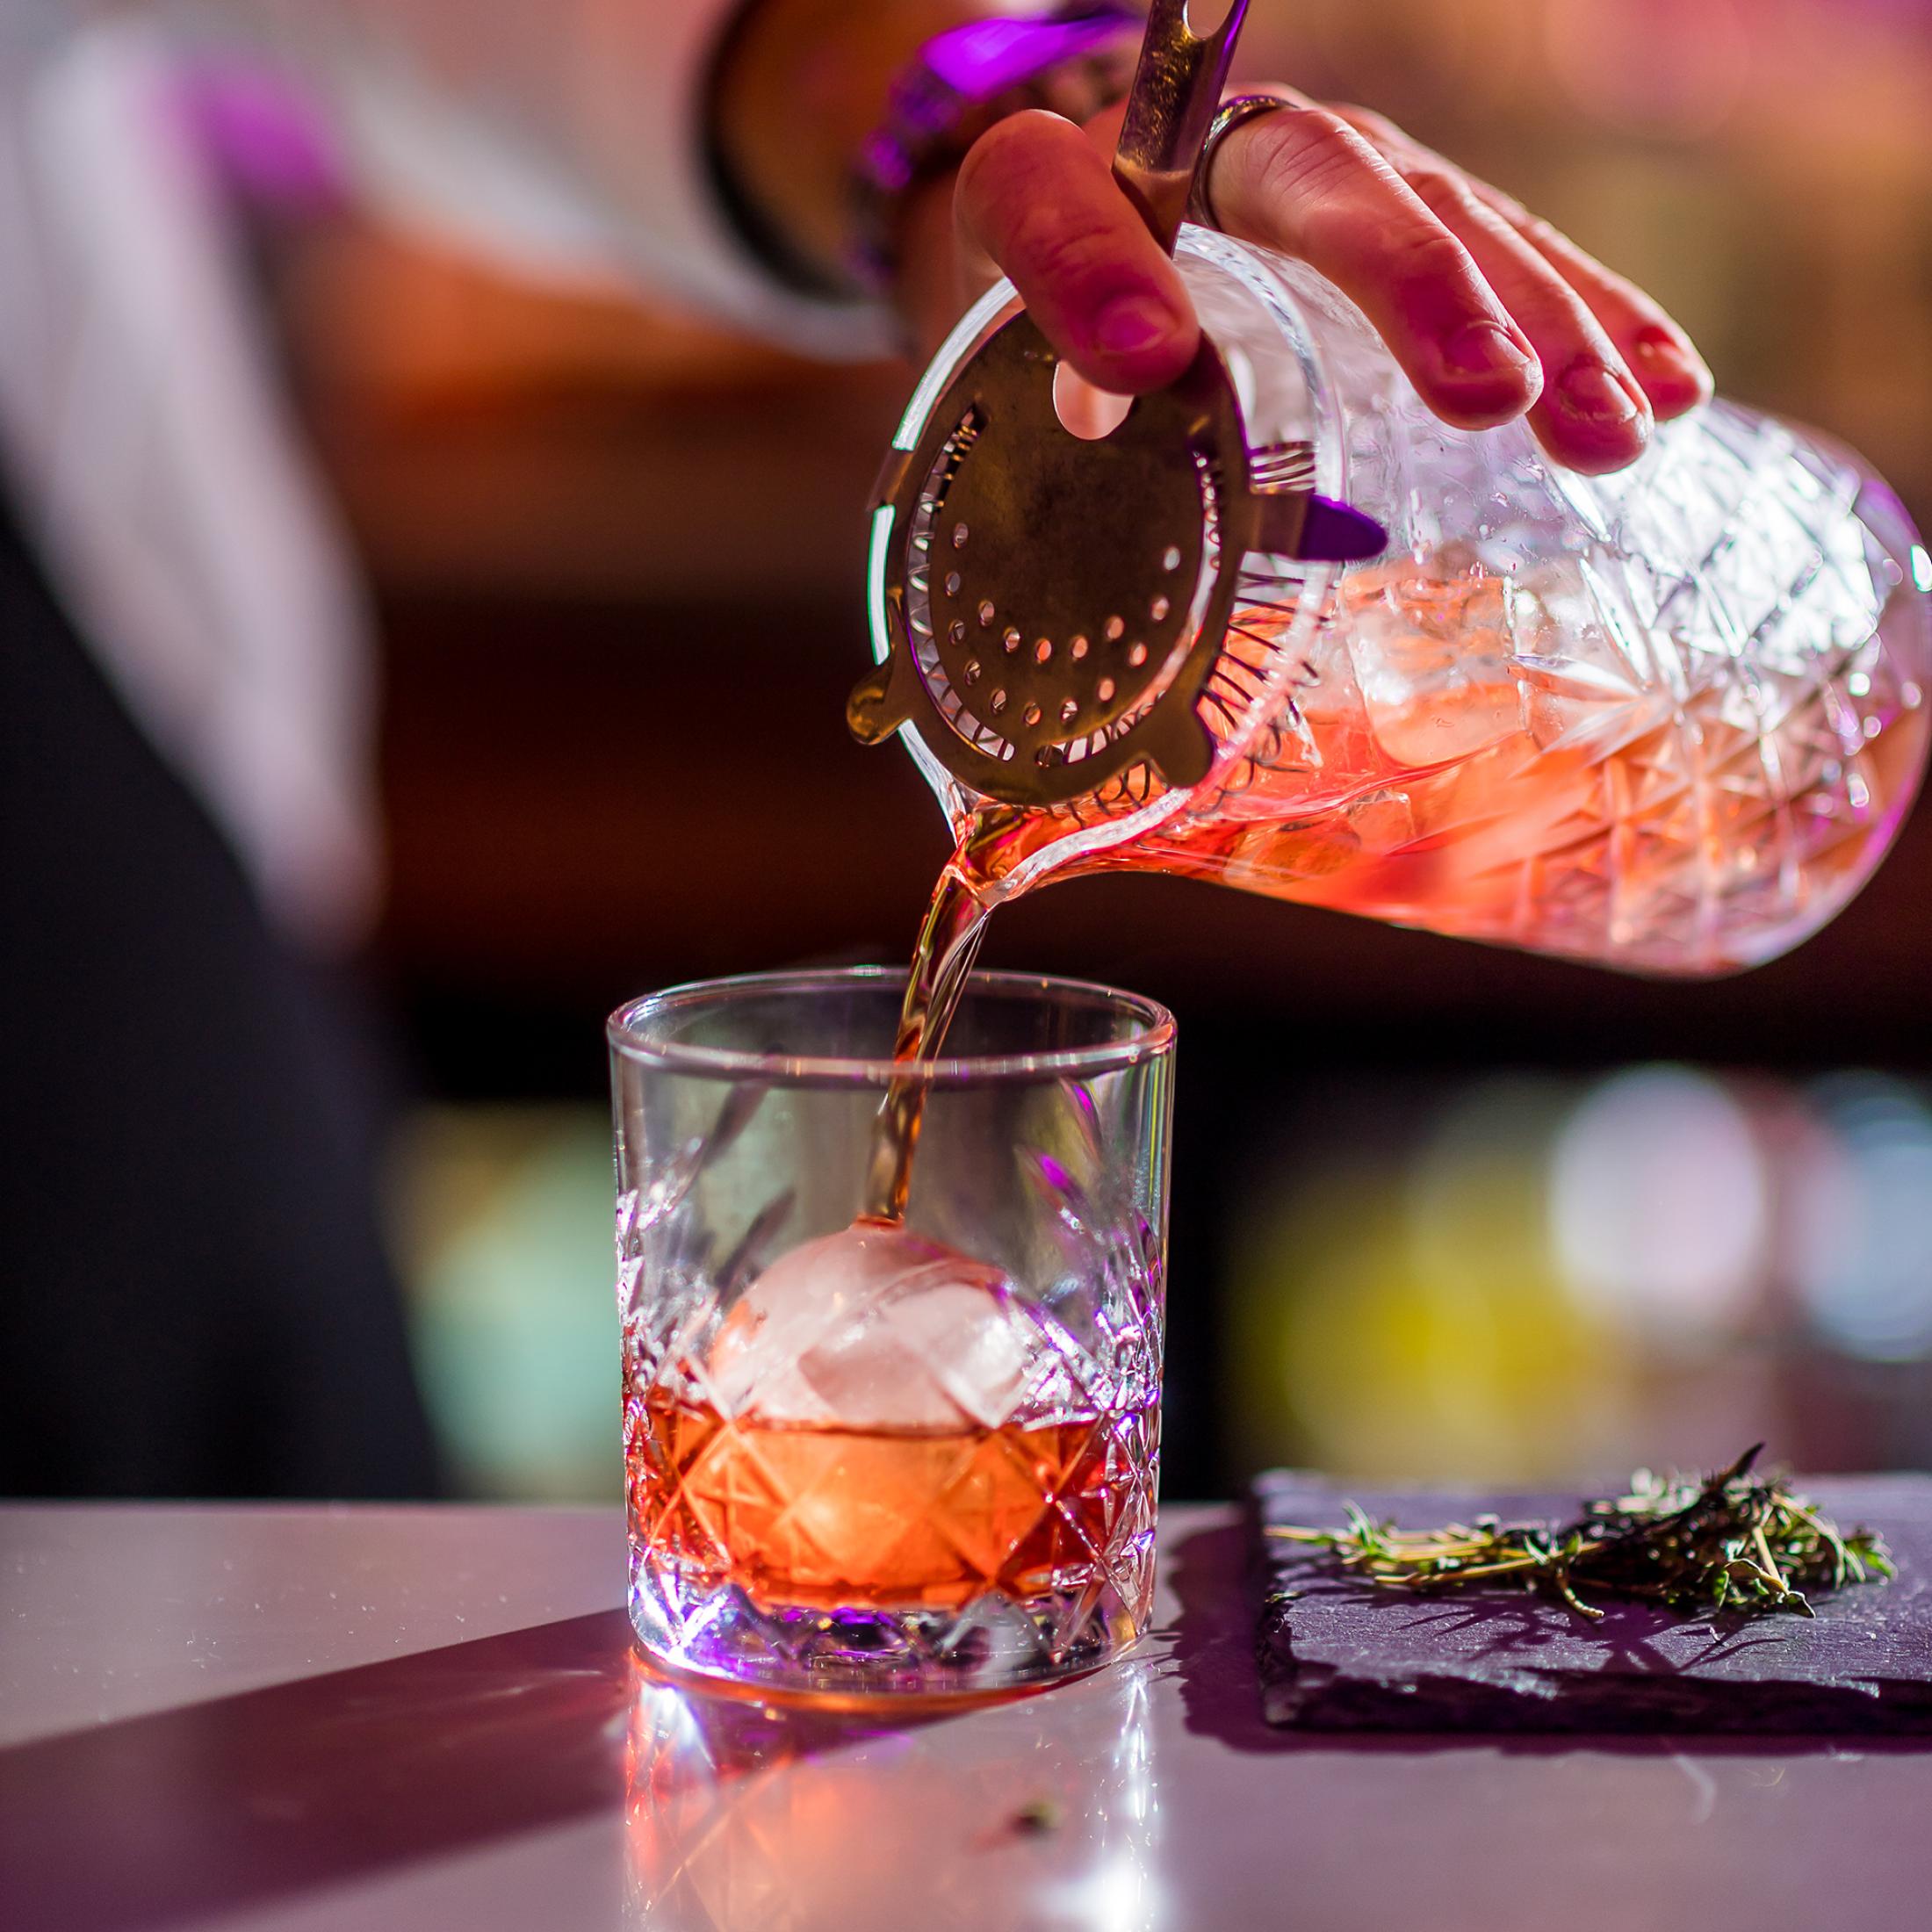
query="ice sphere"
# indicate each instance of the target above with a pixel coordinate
(875, 1328)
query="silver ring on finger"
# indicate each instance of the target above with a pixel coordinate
(1235, 111)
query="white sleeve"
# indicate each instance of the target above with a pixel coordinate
(570, 135)
(142, 429)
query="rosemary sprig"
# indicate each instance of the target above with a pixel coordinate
(1733, 1541)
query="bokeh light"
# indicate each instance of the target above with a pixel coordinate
(1525, 1279)
(1658, 1204)
(1862, 1251)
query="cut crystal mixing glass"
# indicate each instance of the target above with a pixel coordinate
(1668, 719)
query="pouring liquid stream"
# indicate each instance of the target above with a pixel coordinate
(978, 876)
(943, 957)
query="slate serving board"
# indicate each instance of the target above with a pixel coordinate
(1336, 1654)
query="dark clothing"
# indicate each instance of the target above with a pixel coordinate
(194, 1299)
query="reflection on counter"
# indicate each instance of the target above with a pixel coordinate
(748, 1818)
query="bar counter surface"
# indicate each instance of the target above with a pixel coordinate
(430, 1716)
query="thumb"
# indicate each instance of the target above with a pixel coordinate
(1038, 197)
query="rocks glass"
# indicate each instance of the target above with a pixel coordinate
(876, 1462)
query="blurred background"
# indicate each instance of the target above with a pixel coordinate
(1438, 1210)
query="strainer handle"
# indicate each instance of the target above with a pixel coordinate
(1176, 92)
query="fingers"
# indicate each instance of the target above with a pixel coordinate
(1672, 375)
(1592, 415)
(1039, 199)
(1304, 181)
(1490, 311)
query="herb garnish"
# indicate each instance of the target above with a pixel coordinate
(1733, 1541)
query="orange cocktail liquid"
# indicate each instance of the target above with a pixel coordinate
(1435, 768)
(807, 1515)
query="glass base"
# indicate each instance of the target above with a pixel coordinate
(994, 1646)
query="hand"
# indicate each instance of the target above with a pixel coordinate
(1490, 312)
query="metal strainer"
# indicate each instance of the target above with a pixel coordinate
(1056, 603)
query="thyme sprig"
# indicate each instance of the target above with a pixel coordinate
(1733, 1541)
